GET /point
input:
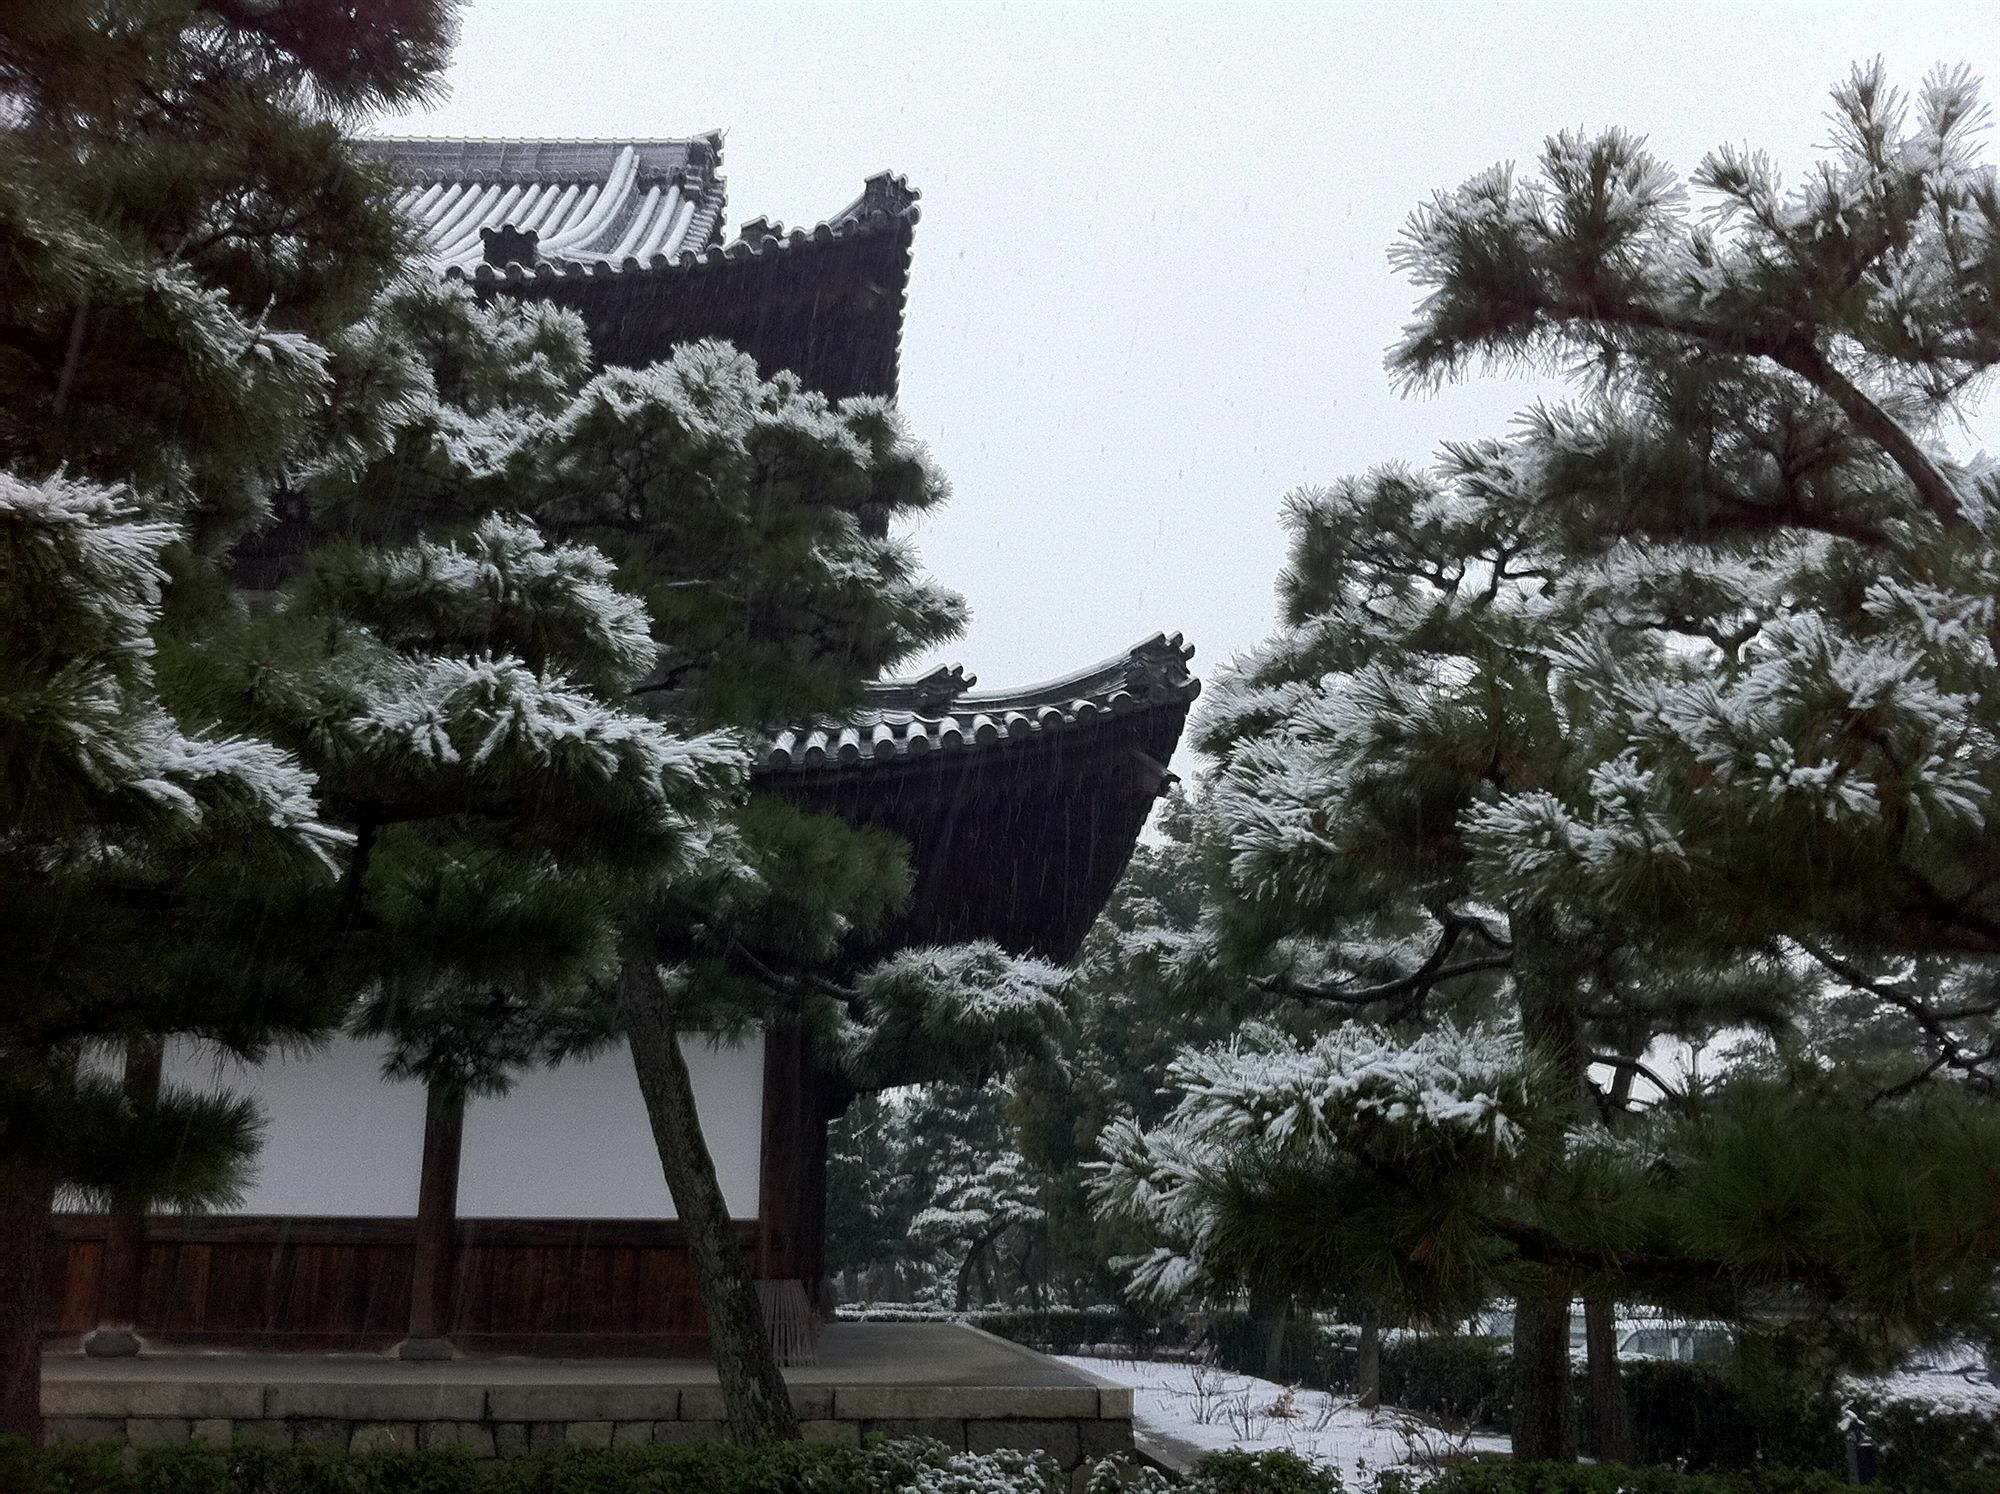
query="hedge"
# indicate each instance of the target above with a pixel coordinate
(910, 1467)
(1689, 1416)
(1049, 1330)
(919, 1467)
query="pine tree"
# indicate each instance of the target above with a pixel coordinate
(544, 614)
(1669, 715)
(178, 222)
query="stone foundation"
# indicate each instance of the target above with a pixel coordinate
(1076, 1424)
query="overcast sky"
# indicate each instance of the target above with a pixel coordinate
(1150, 292)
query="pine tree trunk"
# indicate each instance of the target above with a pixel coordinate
(754, 1397)
(1368, 1362)
(434, 1267)
(1268, 1316)
(1544, 1407)
(122, 1271)
(1545, 984)
(1607, 1388)
(26, 1198)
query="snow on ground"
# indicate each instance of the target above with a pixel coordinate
(1194, 1409)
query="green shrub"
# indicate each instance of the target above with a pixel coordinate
(1460, 1379)
(1698, 1417)
(719, 1468)
(1261, 1473)
(1076, 1330)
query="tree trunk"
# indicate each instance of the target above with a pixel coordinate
(1544, 1408)
(26, 1198)
(1268, 1316)
(1545, 982)
(1368, 1362)
(122, 1274)
(753, 1391)
(436, 1265)
(1607, 1389)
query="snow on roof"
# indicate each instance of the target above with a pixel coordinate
(901, 720)
(569, 203)
(540, 209)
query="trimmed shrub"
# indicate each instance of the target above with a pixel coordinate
(1261, 1473)
(719, 1468)
(1457, 1379)
(1049, 1330)
(1079, 1330)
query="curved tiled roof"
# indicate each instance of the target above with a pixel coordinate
(889, 202)
(517, 210)
(629, 234)
(585, 202)
(907, 720)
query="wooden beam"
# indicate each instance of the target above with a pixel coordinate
(437, 1215)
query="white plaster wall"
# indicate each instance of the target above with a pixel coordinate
(575, 1143)
(567, 1143)
(337, 1139)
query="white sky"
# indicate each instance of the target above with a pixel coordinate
(1150, 290)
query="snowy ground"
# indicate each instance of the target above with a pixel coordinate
(1193, 1409)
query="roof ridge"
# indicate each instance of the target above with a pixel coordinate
(912, 718)
(538, 139)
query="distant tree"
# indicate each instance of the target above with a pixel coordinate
(1021, 1146)
(1663, 717)
(927, 1198)
(1135, 998)
(179, 221)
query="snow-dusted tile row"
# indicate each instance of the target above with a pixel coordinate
(903, 720)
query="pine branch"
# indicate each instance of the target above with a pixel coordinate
(1632, 1065)
(1952, 1053)
(1544, 1247)
(1409, 990)
(1798, 354)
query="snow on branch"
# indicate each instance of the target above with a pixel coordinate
(960, 1012)
(498, 717)
(1264, 1096)
(502, 586)
(103, 764)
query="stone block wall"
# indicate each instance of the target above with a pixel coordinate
(1076, 1424)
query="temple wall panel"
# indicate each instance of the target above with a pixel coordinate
(566, 1143)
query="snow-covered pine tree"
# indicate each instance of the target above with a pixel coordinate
(929, 1202)
(466, 691)
(179, 220)
(136, 858)
(547, 613)
(1652, 720)
(756, 519)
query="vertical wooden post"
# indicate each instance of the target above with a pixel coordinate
(437, 1220)
(121, 1274)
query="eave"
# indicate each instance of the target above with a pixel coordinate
(1020, 807)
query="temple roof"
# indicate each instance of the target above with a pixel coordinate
(568, 205)
(629, 234)
(1020, 807)
(905, 720)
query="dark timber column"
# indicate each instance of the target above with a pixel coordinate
(437, 1220)
(123, 1270)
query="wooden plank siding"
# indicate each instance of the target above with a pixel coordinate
(310, 1284)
